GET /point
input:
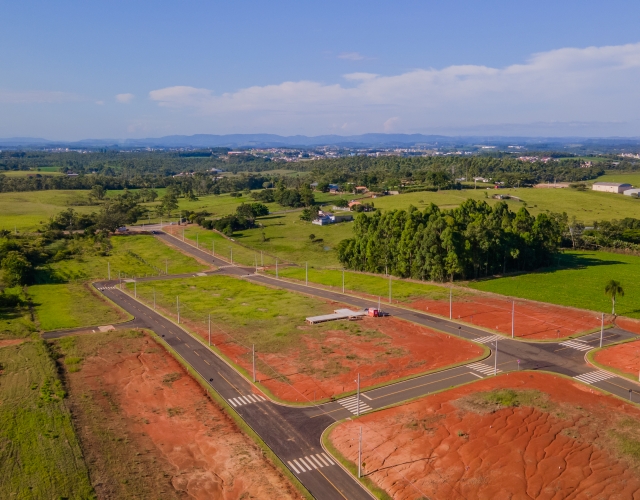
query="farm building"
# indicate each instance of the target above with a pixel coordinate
(611, 187)
(632, 192)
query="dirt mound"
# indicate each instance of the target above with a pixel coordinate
(161, 418)
(532, 320)
(326, 364)
(529, 435)
(623, 357)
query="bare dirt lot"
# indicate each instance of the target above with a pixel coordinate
(532, 320)
(522, 435)
(148, 430)
(623, 357)
(325, 364)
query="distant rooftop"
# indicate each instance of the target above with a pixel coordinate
(613, 184)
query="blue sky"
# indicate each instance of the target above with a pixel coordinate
(72, 70)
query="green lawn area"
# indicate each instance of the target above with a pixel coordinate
(633, 179)
(40, 456)
(15, 322)
(26, 173)
(368, 284)
(578, 282)
(251, 313)
(587, 206)
(70, 305)
(138, 255)
(26, 211)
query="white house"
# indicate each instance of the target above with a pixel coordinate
(611, 187)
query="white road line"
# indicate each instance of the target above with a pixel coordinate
(231, 401)
(314, 459)
(306, 459)
(476, 375)
(365, 396)
(293, 467)
(579, 346)
(486, 340)
(594, 376)
(483, 368)
(303, 466)
(324, 462)
(327, 458)
(310, 462)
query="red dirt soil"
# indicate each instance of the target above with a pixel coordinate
(438, 447)
(532, 320)
(623, 357)
(8, 342)
(631, 325)
(327, 364)
(209, 456)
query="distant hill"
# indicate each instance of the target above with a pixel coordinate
(353, 141)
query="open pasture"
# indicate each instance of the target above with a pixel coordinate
(297, 362)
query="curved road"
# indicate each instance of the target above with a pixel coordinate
(294, 433)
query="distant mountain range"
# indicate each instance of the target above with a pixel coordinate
(353, 141)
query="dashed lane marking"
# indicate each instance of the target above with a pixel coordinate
(310, 462)
(246, 400)
(483, 368)
(594, 376)
(351, 404)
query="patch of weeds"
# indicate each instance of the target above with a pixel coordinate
(72, 360)
(132, 334)
(571, 432)
(627, 444)
(172, 412)
(380, 373)
(170, 378)
(51, 390)
(463, 435)
(351, 356)
(504, 398)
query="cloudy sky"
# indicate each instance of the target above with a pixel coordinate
(74, 70)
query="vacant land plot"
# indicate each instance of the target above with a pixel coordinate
(27, 211)
(18, 321)
(138, 255)
(295, 361)
(586, 206)
(70, 305)
(530, 320)
(623, 359)
(149, 431)
(522, 435)
(633, 179)
(40, 456)
(578, 281)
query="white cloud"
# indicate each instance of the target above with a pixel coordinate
(124, 98)
(36, 97)
(351, 56)
(594, 84)
(100, 103)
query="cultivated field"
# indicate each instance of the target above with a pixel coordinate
(579, 281)
(40, 456)
(149, 432)
(298, 362)
(522, 435)
(533, 321)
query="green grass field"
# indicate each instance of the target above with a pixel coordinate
(40, 456)
(578, 282)
(633, 179)
(26, 211)
(26, 173)
(71, 305)
(250, 313)
(138, 255)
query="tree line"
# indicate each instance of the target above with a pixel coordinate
(467, 242)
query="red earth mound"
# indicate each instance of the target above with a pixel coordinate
(532, 320)
(208, 456)
(8, 342)
(569, 443)
(326, 364)
(631, 325)
(623, 357)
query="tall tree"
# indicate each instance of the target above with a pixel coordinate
(613, 290)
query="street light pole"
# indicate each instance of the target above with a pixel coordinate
(209, 329)
(601, 330)
(343, 281)
(360, 454)
(358, 397)
(450, 303)
(231, 255)
(276, 268)
(253, 353)
(389, 289)
(178, 307)
(109, 269)
(135, 289)
(306, 274)
(495, 361)
(166, 266)
(154, 299)
(513, 317)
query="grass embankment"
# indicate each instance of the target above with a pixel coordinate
(369, 284)
(71, 305)
(139, 255)
(40, 456)
(578, 281)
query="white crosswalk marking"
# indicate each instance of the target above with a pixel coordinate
(107, 288)
(575, 344)
(487, 340)
(351, 404)
(593, 377)
(246, 400)
(310, 462)
(482, 368)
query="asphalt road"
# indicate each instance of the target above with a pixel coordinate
(293, 433)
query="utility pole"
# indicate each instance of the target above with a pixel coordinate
(450, 303)
(166, 266)
(261, 259)
(209, 329)
(154, 299)
(213, 248)
(276, 268)
(389, 289)
(343, 281)
(495, 361)
(306, 274)
(182, 234)
(601, 330)
(120, 279)
(109, 269)
(513, 318)
(253, 353)
(231, 256)
(360, 454)
(135, 289)
(178, 307)
(255, 261)
(197, 240)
